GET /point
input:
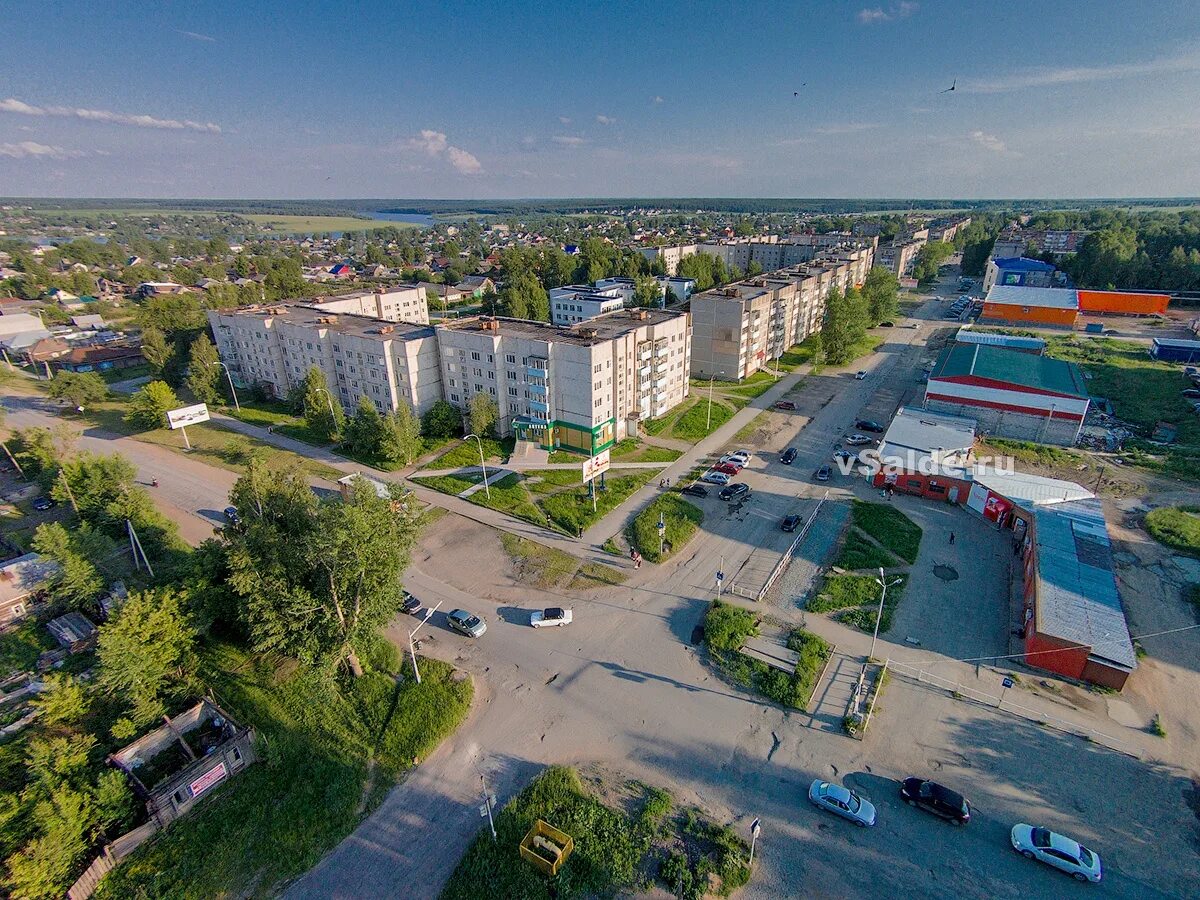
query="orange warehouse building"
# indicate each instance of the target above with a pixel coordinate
(1126, 303)
(1017, 305)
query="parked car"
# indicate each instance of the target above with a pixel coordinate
(856, 439)
(913, 325)
(744, 455)
(789, 456)
(841, 802)
(784, 404)
(887, 324)
(695, 489)
(1191, 370)
(790, 523)
(734, 492)
(860, 375)
(1192, 393)
(932, 797)
(731, 460)
(713, 477)
(823, 473)
(42, 503)
(409, 605)
(231, 515)
(1055, 850)
(728, 468)
(551, 617)
(869, 425)
(844, 455)
(466, 623)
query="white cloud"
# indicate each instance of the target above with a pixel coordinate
(656, 99)
(196, 35)
(464, 162)
(13, 105)
(566, 120)
(569, 140)
(845, 128)
(992, 143)
(1035, 78)
(606, 120)
(715, 161)
(435, 144)
(874, 14)
(33, 150)
(791, 142)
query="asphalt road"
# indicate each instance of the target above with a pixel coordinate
(624, 686)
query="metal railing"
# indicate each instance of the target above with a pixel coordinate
(962, 692)
(786, 558)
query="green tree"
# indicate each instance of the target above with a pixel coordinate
(364, 429)
(146, 652)
(64, 702)
(442, 420)
(880, 291)
(77, 582)
(523, 297)
(647, 292)
(149, 407)
(482, 415)
(836, 338)
(400, 440)
(78, 389)
(322, 413)
(94, 482)
(204, 375)
(44, 868)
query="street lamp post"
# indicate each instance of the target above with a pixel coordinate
(329, 400)
(232, 390)
(884, 584)
(662, 531)
(708, 424)
(755, 828)
(487, 490)
(412, 650)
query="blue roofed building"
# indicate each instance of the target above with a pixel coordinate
(1018, 271)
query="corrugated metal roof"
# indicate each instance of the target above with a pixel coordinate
(1029, 490)
(1022, 264)
(1019, 295)
(991, 339)
(1173, 342)
(1012, 366)
(917, 434)
(1077, 594)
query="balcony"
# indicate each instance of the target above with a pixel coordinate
(538, 406)
(535, 388)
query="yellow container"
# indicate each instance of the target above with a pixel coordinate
(546, 847)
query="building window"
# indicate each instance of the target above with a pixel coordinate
(454, 398)
(510, 358)
(475, 355)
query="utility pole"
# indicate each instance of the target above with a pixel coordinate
(412, 650)
(755, 828)
(487, 805)
(62, 475)
(486, 489)
(883, 584)
(12, 459)
(232, 390)
(662, 531)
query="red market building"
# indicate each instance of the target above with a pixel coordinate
(926, 454)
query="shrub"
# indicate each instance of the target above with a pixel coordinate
(726, 627)
(1177, 527)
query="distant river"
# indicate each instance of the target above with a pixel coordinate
(414, 218)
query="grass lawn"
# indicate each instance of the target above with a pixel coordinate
(726, 628)
(448, 484)
(571, 510)
(312, 784)
(1039, 454)
(859, 553)
(1178, 527)
(858, 598)
(696, 423)
(21, 647)
(508, 495)
(681, 518)
(892, 528)
(617, 851)
(547, 568)
(807, 352)
(466, 453)
(284, 224)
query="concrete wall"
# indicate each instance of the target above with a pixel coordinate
(1015, 425)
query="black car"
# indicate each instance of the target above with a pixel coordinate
(868, 425)
(231, 515)
(790, 523)
(41, 504)
(410, 604)
(789, 456)
(695, 490)
(932, 797)
(823, 473)
(887, 324)
(734, 492)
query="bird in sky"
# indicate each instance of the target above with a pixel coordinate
(949, 89)
(797, 93)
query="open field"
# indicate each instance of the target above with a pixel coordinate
(302, 224)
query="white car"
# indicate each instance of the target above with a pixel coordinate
(734, 460)
(553, 616)
(1055, 850)
(857, 439)
(741, 454)
(715, 477)
(860, 375)
(841, 802)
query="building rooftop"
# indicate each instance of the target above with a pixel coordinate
(1022, 264)
(1001, 364)
(339, 323)
(917, 434)
(1019, 295)
(1174, 342)
(967, 336)
(1078, 599)
(594, 331)
(1027, 490)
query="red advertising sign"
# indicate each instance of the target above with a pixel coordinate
(213, 776)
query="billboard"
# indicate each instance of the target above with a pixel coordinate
(595, 465)
(187, 415)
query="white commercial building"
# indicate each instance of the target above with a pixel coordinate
(580, 388)
(574, 303)
(274, 346)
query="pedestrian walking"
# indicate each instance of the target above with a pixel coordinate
(637, 561)
(952, 537)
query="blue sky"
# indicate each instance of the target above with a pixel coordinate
(496, 99)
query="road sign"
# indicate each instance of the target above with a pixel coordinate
(595, 465)
(187, 415)
(1008, 682)
(720, 578)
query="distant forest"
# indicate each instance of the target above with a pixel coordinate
(533, 206)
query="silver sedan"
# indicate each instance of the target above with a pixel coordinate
(841, 802)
